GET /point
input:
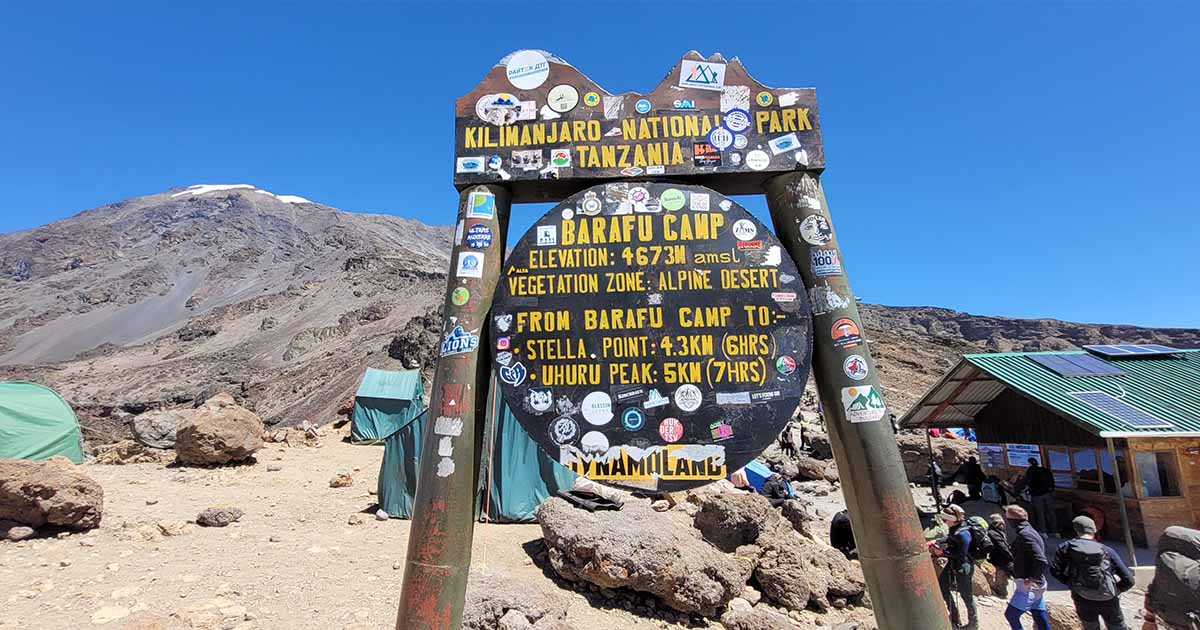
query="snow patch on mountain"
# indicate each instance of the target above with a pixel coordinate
(202, 189)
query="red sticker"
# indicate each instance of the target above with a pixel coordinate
(670, 430)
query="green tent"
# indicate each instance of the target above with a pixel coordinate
(515, 476)
(36, 423)
(385, 403)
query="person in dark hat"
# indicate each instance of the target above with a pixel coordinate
(956, 577)
(1096, 575)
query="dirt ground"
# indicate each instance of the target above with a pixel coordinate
(292, 562)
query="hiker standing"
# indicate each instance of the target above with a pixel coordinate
(957, 576)
(1029, 570)
(1096, 575)
(935, 477)
(971, 474)
(1040, 482)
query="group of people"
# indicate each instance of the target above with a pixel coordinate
(1036, 487)
(1094, 572)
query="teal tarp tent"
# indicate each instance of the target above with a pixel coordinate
(514, 475)
(385, 403)
(36, 423)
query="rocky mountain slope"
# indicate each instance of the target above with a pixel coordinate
(161, 300)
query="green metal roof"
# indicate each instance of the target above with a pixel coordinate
(391, 385)
(1166, 387)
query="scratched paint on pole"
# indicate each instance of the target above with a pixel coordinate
(651, 336)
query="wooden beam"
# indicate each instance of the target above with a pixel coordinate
(937, 411)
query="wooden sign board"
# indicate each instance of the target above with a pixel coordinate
(543, 129)
(652, 336)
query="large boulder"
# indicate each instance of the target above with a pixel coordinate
(218, 432)
(798, 573)
(811, 469)
(1176, 587)
(498, 602)
(950, 454)
(53, 492)
(156, 429)
(643, 550)
(732, 518)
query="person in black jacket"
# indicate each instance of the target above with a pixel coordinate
(1097, 577)
(971, 473)
(1040, 482)
(1001, 555)
(776, 489)
(1029, 570)
(841, 535)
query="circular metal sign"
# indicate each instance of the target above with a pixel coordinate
(651, 336)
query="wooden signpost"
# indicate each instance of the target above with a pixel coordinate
(648, 332)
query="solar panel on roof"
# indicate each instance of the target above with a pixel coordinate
(1128, 350)
(1074, 365)
(1121, 410)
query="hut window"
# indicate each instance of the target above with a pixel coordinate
(1060, 465)
(1158, 473)
(1087, 475)
(1109, 478)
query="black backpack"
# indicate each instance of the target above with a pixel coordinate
(981, 543)
(1091, 572)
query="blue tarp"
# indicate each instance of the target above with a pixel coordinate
(386, 402)
(757, 473)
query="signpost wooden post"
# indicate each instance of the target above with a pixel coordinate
(649, 333)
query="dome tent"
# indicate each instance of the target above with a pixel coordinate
(36, 423)
(386, 402)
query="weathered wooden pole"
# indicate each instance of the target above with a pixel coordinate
(891, 545)
(443, 521)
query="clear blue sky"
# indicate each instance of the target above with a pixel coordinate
(1020, 159)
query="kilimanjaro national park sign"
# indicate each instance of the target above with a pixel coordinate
(540, 127)
(652, 336)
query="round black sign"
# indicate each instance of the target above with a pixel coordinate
(651, 336)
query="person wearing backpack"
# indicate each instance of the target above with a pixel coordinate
(957, 575)
(1097, 577)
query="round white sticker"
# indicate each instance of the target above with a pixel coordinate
(527, 69)
(758, 159)
(597, 408)
(744, 230)
(688, 397)
(562, 98)
(815, 230)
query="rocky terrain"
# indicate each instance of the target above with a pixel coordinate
(164, 300)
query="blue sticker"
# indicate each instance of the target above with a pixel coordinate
(721, 138)
(633, 419)
(642, 106)
(513, 375)
(736, 120)
(459, 341)
(479, 237)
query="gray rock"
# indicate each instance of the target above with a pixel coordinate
(819, 446)
(156, 429)
(643, 550)
(498, 602)
(219, 517)
(798, 513)
(51, 492)
(797, 573)
(219, 432)
(756, 619)
(730, 519)
(14, 531)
